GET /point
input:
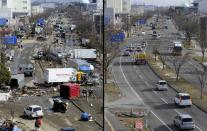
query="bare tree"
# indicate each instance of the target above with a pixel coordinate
(188, 24)
(111, 50)
(178, 62)
(155, 52)
(202, 78)
(163, 58)
(203, 46)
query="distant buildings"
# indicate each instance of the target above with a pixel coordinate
(12, 9)
(115, 9)
(201, 6)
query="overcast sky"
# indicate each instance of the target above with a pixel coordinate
(161, 2)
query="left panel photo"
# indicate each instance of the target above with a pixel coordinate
(51, 65)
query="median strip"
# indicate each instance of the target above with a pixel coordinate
(181, 85)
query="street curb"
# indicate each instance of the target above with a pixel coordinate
(173, 87)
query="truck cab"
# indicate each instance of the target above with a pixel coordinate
(177, 48)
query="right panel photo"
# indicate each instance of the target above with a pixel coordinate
(155, 65)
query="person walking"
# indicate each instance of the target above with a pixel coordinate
(38, 123)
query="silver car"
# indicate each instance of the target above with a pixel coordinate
(184, 121)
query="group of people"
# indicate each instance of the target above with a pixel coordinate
(90, 92)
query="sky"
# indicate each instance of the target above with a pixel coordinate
(162, 2)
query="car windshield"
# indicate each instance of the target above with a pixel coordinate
(36, 109)
(163, 83)
(187, 120)
(185, 97)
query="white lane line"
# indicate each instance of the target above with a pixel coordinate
(141, 77)
(155, 92)
(164, 100)
(132, 89)
(161, 121)
(195, 125)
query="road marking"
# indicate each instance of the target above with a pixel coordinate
(110, 125)
(139, 97)
(161, 121)
(164, 100)
(155, 92)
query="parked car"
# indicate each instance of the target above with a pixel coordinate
(184, 121)
(33, 111)
(183, 99)
(162, 85)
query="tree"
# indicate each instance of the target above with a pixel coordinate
(163, 58)
(111, 50)
(203, 48)
(155, 52)
(202, 78)
(5, 74)
(178, 62)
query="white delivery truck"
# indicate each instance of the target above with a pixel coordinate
(83, 54)
(60, 75)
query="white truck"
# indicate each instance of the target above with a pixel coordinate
(83, 53)
(60, 75)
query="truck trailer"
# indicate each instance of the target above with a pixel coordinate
(60, 75)
(84, 54)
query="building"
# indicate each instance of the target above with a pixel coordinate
(126, 6)
(14, 9)
(116, 4)
(200, 5)
(137, 9)
(17, 7)
(109, 16)
(37, 9)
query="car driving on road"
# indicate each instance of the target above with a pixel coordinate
(161, 85)
(183, 99)
(184, 121)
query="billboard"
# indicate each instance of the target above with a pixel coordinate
(10, 40)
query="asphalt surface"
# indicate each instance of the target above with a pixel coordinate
(141, 80)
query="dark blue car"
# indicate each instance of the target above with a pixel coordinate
(67, 129)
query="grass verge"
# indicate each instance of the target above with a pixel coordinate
(181, 85)
(199, 59)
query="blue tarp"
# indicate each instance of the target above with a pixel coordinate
(84, 68)
(3, 21)
(10, 40)
(85, 116)
(15, 128)
(40, 22)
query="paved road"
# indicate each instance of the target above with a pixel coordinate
(143, 80)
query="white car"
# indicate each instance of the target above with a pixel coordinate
(143, 33)
(184, 121)
(162, 85)
(183, 99)
(33, 111)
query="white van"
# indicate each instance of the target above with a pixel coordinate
(183, 99)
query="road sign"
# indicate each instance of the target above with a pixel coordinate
(142, 21)
(106, 20)
(139, 124)
(10, 40)
(3, 21)
(119, 37)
